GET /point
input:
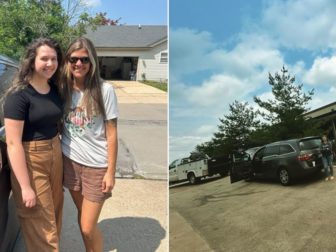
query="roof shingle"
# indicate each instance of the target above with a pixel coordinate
(127, 36)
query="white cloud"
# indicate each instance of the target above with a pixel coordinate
(219, 89)
(188, 50)
(255, 54)
(322, 98)
(237, 73)
(206, 130)
(180, 147)
(305, 24)
(322, 72)
(91, 3)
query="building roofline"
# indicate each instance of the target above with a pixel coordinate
(320, 108)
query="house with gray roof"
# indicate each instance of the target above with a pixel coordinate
(131, 52)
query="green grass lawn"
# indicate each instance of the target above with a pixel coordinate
(160, 85)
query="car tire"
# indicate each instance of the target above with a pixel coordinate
(284, 176)
(192, 179)
(223, 174)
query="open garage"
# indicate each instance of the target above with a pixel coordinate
(131, 52)
(118, 68)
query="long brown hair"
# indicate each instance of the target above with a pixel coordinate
(27, 66)
(92, 99)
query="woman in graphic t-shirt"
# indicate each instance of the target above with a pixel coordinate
(89, 138)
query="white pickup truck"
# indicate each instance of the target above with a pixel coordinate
(196, 167)
(185, 169)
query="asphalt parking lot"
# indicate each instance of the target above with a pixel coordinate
(260, 215)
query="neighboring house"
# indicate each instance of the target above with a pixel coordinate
(326, 113)
(131, 52)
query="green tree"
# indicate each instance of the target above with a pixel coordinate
(103, 20)
(207, 147)
(22, 21)
(284, 113)
(234, 131)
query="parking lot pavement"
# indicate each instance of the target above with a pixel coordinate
(259, 215)
(180, 230)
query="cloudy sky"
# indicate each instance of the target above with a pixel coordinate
(132, 12)
(223, 50)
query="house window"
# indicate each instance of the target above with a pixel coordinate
(164, 57)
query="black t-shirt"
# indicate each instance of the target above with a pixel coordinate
(40, 112)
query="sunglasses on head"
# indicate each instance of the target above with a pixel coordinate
(84, 60)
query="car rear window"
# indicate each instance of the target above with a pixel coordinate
(310, 144)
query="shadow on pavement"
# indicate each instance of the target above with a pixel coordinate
(203, 181)
(128, 234)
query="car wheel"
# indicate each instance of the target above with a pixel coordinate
(223, 174)
(284, 176)
(192, 179)
(249, 177)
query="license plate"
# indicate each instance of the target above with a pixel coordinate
(313, 163)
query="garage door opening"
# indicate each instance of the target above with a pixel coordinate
(118, 68)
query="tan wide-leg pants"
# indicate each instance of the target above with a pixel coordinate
(41, 225)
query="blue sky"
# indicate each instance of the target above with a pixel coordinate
(132, 12)
(223, 50)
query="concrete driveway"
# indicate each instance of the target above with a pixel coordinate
(142, 126)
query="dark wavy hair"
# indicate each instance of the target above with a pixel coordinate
(26, 70)
(92, 99)
(28, 63)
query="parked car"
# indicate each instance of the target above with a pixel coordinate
(284, 160)
(9, 226)
(252, 151)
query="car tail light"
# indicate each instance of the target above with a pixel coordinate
(305, 157)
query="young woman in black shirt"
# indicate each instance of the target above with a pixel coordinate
(32, 111)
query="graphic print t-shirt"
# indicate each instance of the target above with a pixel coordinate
(83, 138)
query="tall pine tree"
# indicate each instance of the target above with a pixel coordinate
(233, 131)
(284, 112)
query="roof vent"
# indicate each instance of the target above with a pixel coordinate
(139, 26)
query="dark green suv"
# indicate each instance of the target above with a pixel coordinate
(283, 160)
